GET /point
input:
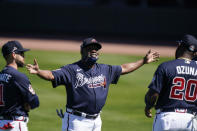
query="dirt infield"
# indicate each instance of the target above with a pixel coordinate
(74, 45)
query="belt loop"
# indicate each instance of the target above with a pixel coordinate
(158, 111)
(83, 114)
(69, 110)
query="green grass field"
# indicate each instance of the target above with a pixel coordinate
(124, 109)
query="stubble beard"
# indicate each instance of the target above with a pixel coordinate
(20, 63)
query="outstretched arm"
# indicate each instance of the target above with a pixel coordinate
(151, 56)
(34, 69)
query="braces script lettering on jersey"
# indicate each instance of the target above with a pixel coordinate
(186, 70)
(5, 77)
(92, 82)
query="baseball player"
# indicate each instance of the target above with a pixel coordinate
(17, 96)
(87, 84)
(173, 90)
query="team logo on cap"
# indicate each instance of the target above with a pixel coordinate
(191, 47)
(15, 48)
(93, 41)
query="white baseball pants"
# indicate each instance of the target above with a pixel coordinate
(174, 121)
(16, 125)
(72, 122)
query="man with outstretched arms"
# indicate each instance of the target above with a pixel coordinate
(87, 84)
(173, 90)
(17, 96)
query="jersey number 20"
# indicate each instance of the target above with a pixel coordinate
(1, 95)
(180, 84)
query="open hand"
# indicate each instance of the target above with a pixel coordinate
(33, 69)
(148, 112)
(27, 107)
(151, 56)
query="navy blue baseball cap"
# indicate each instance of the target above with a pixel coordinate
(90, 41)
(190, 42)
(13, 47)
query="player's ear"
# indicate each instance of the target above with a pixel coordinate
(13, 55)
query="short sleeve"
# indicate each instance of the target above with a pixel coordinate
(158, 79)
(60, 77)
(114, 73)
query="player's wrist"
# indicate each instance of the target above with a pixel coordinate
(145, 60)
(148, 107)
(38, 71)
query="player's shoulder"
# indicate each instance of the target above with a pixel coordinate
(194, 62)
(14, 73)
(102, 65)
(176, 62)
(69, 66)
(72, 65)
(107, 66)
(167, 64)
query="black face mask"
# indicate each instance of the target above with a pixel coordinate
(91, 61)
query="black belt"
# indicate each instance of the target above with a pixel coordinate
(179, 110)
(14, 118)
(82, 114)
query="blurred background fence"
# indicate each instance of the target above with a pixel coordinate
(144, 19)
